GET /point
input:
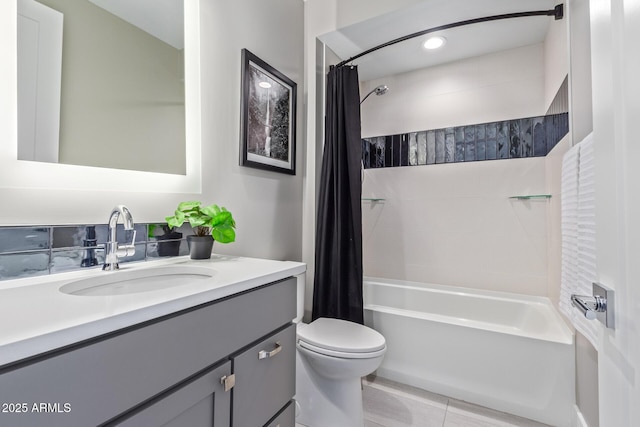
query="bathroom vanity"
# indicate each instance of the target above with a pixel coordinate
(217, 352)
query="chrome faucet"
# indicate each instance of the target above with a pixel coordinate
(112, 249)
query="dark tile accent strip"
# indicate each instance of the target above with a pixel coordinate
(539, 137)
(459, 147)
(388, 151)
(424, 152)
(404, 149)
(469, 143)
(395, 150)
(449, 145)
(503, 140)
(481, 146)
(413, 148)
(519, 138)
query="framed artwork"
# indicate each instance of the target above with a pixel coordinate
(268, 117)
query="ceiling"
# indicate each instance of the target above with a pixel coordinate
(163, 19)
(462, 42)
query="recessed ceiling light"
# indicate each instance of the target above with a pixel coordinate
(265, 85)
(434, 42)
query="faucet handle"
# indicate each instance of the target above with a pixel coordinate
(128, 249)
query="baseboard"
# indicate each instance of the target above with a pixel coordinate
(578, 419)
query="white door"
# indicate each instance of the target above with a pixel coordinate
(39, 81)
(615, 42)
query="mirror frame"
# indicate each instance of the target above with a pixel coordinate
(26, 174)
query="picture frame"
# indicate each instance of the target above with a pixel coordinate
(268, 117)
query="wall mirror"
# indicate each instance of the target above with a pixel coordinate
(442, 102)
(147, 142)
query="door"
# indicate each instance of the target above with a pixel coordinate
(615, 43)
(39, 81)
(200, 403)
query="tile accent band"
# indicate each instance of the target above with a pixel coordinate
(39, 250)
(508, 139)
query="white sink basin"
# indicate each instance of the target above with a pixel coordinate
(137, 280)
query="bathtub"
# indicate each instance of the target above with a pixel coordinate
(508, 352)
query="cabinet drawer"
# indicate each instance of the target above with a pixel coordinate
(108, 377)
(286, 418)
(265, 379)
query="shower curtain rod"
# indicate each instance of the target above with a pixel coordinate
(557, 12)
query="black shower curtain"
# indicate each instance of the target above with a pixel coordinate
(337, 289)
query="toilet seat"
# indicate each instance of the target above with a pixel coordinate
(341, 338)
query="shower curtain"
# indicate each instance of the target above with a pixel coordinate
(337, 289)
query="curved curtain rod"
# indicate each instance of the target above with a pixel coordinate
(557, 12)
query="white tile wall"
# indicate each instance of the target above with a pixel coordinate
(497, 86)
(554, 242)
(454, 224)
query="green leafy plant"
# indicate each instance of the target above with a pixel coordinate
(205, 220)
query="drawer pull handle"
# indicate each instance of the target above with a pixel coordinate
(228, 381)
(264, 354)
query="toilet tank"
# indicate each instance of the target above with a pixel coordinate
(300, 289)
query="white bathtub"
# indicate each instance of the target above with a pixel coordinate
(509, 352)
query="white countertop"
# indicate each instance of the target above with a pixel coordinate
(36, 317)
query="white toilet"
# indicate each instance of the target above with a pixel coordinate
(331, 357)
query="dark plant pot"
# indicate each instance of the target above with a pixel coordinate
(200, 247)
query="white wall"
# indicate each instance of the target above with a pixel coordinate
(553, 169)
(556, 56)
(268, 206)
(454, 224)
(498, 86)
(354, 11)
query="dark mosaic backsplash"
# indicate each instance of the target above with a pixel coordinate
(39, 250)
(509, 139)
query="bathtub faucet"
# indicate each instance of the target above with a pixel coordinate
(112, 249)
(597, 306)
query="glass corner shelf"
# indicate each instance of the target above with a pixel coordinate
(532, 196)
(372, 199)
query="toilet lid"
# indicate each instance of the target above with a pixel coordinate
(341, 336)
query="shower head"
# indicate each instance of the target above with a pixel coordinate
(380, 90)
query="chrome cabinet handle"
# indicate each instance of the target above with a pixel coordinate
(264, 354)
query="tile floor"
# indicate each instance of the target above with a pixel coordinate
(390, 404)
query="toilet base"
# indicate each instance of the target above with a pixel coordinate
(327, 402)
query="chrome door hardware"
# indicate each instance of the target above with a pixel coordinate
(588, 305)
(228, 381)
(264, 354)
(599, 306)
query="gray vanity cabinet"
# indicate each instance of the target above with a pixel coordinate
(168, 371)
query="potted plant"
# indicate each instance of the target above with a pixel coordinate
(209, 223)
